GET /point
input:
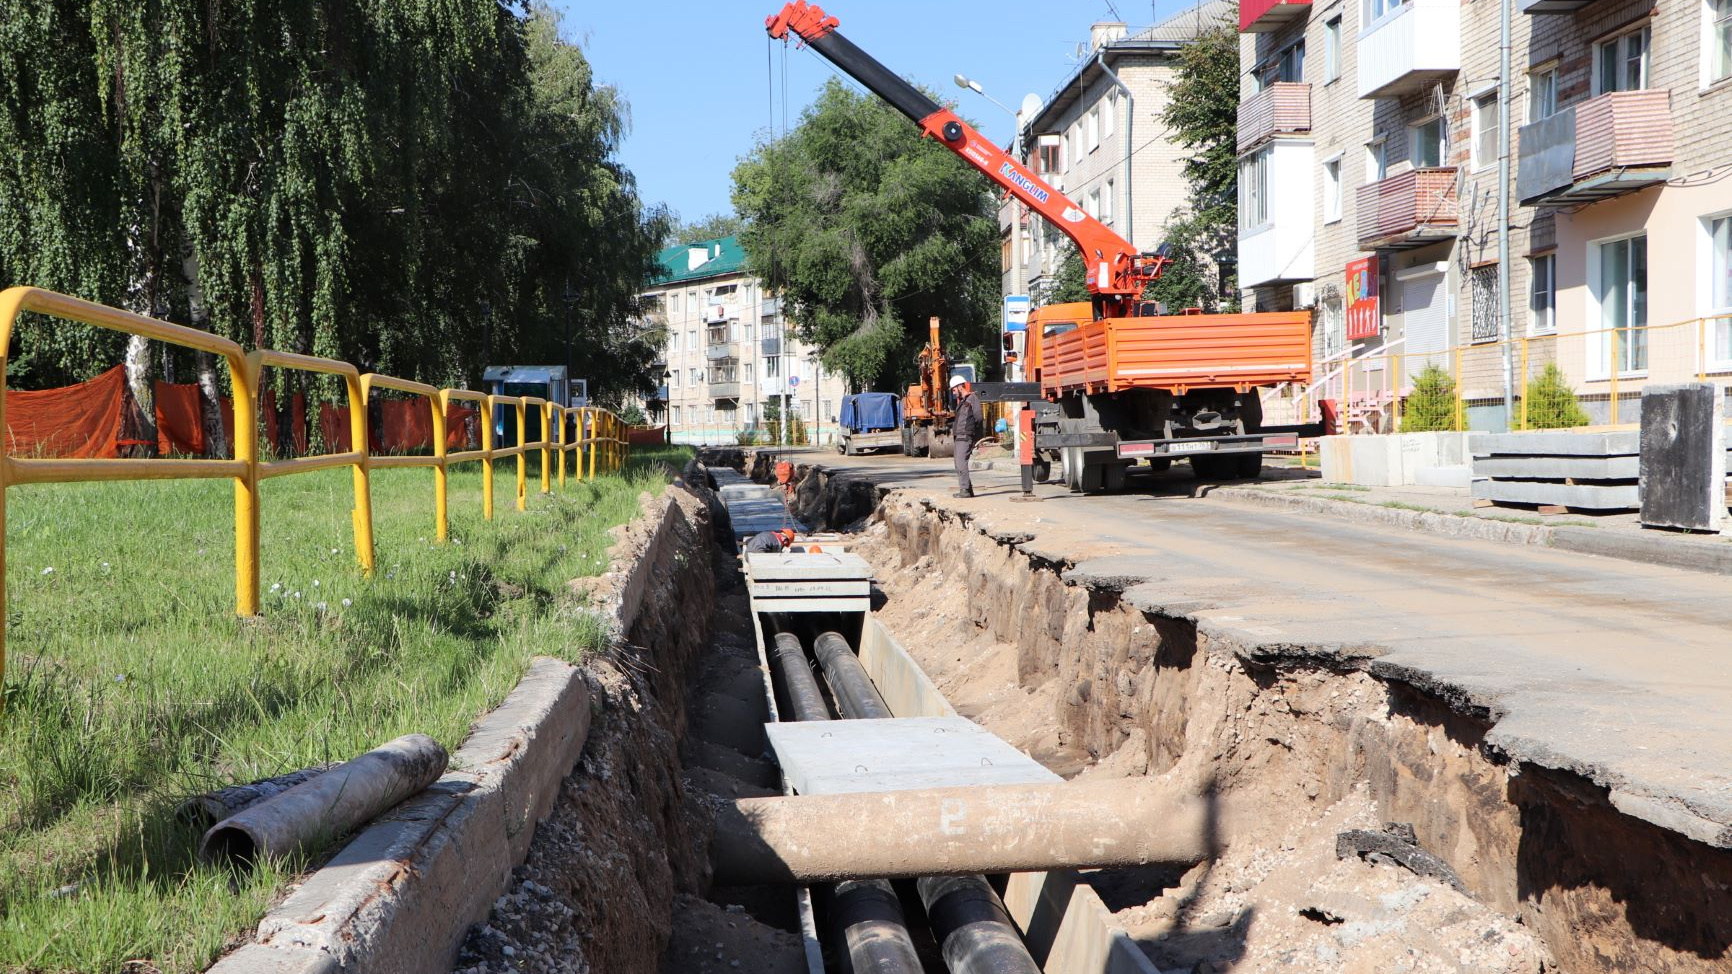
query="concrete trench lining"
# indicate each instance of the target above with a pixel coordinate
(401, 895)
(1611, 874)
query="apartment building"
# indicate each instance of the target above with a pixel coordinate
(728, 355)
(1368, 139)
(1100, 140)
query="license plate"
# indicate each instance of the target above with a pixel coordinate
(1195, 446)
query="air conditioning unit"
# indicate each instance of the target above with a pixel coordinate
(1305, 295)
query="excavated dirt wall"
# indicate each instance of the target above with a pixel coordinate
(1086, 681)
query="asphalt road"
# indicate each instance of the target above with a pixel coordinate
(1617, 671)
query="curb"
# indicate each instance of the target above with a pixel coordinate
(402, 895)
(1655, 550)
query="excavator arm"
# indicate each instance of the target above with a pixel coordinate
(1114, 271)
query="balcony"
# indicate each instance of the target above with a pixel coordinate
(717, 351)
(1262, 16)
(1409, 48)
(1410, 210)
(661, 394)
(1283, 108)
(1551, 6)
(1607, 146)
(771, 346)
(724, 390)
(716, 314)
(1281, 249)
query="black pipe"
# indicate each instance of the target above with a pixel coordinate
(804, 697)
(871, 929)
(855, 694)
(972, 928)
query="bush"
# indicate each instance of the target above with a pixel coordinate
(1430, 407)
(749, 437)
(1551, 403)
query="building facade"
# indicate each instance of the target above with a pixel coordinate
(1369, 148)
(1099, 139)
(729, 364)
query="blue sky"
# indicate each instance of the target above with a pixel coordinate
(696, 77)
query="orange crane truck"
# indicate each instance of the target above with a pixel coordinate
(1114, 381)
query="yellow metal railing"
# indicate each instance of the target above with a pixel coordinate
(1604, 365)
(601, 437)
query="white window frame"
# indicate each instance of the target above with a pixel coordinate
(1542, 93)
(1484, 157)
(1716, 42)
(1109, 118)
(1377, 160)
(1413, 143)
(1331, 48)
(1108, 201)
(1716, 229)
(1092, 128)
(1254, 211)
(678, 413)
(1620, 45)
(1092, 203)
(1373, 11)
(1543, 320)
(1599, 340)
(1332, 189)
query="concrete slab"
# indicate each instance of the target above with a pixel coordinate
(1598, 497)
(1614, 443)
(805, 566)
(1455, 475)
(1558, 468)
(897, 754)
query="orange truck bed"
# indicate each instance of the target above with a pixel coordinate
(1177, 353)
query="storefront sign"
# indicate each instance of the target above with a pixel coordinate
(1364, 320)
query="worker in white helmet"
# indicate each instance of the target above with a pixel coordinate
(965, 431)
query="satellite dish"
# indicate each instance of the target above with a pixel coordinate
(1030, 105)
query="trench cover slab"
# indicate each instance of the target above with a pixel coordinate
(833, 757)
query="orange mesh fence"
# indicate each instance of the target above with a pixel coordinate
(462, 428)
(81, 420)
(179, 429)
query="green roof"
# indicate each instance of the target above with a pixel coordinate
(724, 256)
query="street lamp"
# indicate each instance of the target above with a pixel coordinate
(963, 81)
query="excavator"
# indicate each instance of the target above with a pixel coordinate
(928, 408)
(1119, 382)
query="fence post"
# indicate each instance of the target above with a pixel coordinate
(1460, 402)
(441, 512)
(562, 412)
(1701, 349)
(487, 445)
(546, 453)
(522, 458)
(358, 441)
(591, 437)
(245, 375)
(1524, 424)
(1615, 369)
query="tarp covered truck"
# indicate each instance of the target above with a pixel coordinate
(870, 421)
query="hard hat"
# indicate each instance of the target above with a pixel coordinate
(813, 549)
(957, 380)
(786, 534)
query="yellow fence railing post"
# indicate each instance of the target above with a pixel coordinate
(487, 448)
(1701, 349)
(560, 413)
(1616, 368)
(522, 460)
(1460, 402)
(546, 411)
(590, 439)
(441, 450)
(246, 433)
(1524, 424)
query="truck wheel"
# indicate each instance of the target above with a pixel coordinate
(1113, 477)
(1042, 470)
(1071, 458)
(1210, 468)
(942, 446)
(1249, 465)
(842, 447)
(1160, 464)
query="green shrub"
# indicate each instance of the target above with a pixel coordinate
(1551, 403)
(1430, 407)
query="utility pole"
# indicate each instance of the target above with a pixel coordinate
(1503, 275)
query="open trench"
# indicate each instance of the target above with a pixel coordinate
(1506, 867)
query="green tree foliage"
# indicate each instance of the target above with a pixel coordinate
(418, 186)
(1552, 404)
(1202, 112)
(867, 229)
(1430, 407)
(1072, 283)
(709, 228)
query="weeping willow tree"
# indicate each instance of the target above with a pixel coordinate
(416, 186)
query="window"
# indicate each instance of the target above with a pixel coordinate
(676, 415)
(1376, 161)
(1623, 297)
(1092, 204)
(1485, 131)
(1483, 285)
(691, 339)
(751, 414)
(1111, 119)
(1371, 10)
(1720, 289)
(1291, 65)
(1051, 155)
(1543, 295)
(748, 373)
(825, 412)
(1107, 203)
(1332, 322)
(1092, 128)
(1426, 143)
(1254, 190)
(1332, 49)
(725, 289)
(697, 376)
(673, 379)
(1332, 190)
(1719, 40)
(674, 301)
(1621, 64)
(1542, 94)
(772, 367)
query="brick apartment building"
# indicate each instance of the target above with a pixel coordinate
(727, 355)
(1368, 191)
(1100, 140)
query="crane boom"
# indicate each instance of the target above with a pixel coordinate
(1114, 271)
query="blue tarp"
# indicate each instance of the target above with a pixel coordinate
(867, 412)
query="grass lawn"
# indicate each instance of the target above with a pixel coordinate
(131, 684)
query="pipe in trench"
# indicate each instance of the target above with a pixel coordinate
(866, 913)
(973, 930)
(855, 693)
